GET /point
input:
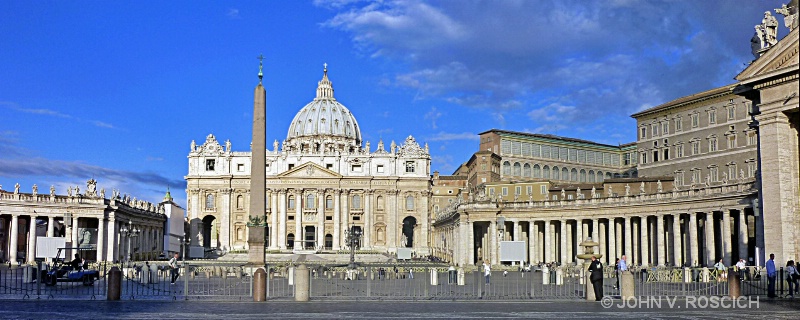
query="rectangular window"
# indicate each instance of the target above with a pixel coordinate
(328, 218)
(654, 127)
(679, 178)
(542, 189)
(665, 127)
(678, 124)
(712, 145)
(712, 116)
(240, 167)
(732, 141)
(329, 166)
(695, 120)
(626, 159)
(695, 147)
(731, 112)
(732, 171)
(491, 191)
(380, 168)
(328, 203)
(210, 164)
(530, 190)
(355, 168)
(751, 169)
(643, 133)
(291, 166)
(518, 190)
(410, 166)
(679, 151)
(644, 158)
(290, 218)
(752, 138)
(505, 191)
(714, 174)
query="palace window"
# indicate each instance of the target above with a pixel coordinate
(679, 151)
(752, 138)
(328, 203)
(505, 191)
(356, 202)
(679, 177)
(410, 203)
(210, 164)
(355, 168)
(410, 166)
(695, 120)
(712, 144)
(209, 202)
(678, 124)
(542, 189)
(643, 133)
(290, 202)
(644, 158)
(714, 172)
(712, 116)
(731, 170)
(696, 175)
(517, 190)
(665, 127)
(530, 190)
(732, 141)
(654, 127)
(695, 147)
(310, 201)
(751, 167)
(731, 111)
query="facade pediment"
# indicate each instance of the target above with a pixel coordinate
(309, 170)
(783, 55)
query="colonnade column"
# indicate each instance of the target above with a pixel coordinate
(101, 231)
(547, 243)
(50, 226)
(693, 238)
(537, 243)
(743, 240)
(113, 243)
(645, 226)
(531, 239)
(492, 243)
(627, 229)
(578, 236)
(563, 244)
(31, 256)
(469, 243)
(710, 241)
(601, 239)
(337, 228)
(612, 241)
(726, 237)
(676, 239)
(14, 234)
(661, 246)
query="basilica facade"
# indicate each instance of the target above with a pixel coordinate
(322, 180)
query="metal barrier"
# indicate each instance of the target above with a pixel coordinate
(25, 282)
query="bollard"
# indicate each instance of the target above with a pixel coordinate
(114, 284)
(291, 276)
(627, 283)
(301, 283)
(734, 284)
(153, 274)
(559, 276)
(706, 274)
(687, 275)
(260, 285)
(434, 277)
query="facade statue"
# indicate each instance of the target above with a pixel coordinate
(404, 241)
(641, 188)
(193, 146)
(35, 190)
(770, 29)
(52, 190)
(725, 178)
(380, 146)
(789, 15)
(594, 192)
(91, 188)
(578, 194)
(275, 146)
(659, 187)
(69, 191)
(16, 188)
(366, 147)
(563, 194)
(627, 190)
(228, 145)
(741, 174)
(393, 146)
(610, 192)
(77, 191)
(103, 193)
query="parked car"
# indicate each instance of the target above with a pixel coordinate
(77, 270)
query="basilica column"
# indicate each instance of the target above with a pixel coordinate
(563, 245)
(676, 239)
(627, 229)
(743, 240)
(693, 238)
(282, 216)
(661, 246)
(368, 221)
(727, 248)
(273, 215)
(299, 237)
(320, 218)
(645, 225)
(345, 212)
(710, 239)
(531, 241)
(548, 243)
(337, 228)
(101, 241)
(31, 256)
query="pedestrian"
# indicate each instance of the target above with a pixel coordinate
(487, 271)
(741, 267)
(596, 277)
(616, 273)
(411, 273)
(721, 273)
(505, 273)
(173, 268)
(771, 276)
(791, 278)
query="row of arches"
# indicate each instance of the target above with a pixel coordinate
(557, 173)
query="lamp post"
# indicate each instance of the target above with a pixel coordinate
(353, 238)
(129, 231)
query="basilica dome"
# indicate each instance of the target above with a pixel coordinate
(323, 124)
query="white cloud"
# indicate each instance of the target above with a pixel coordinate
(233, 13)
(446, 136)
(433, 115)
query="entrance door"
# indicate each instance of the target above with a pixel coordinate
(310, 237)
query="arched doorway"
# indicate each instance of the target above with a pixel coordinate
(328, 241)
(209, 224)
(290, 241)
(409, 223)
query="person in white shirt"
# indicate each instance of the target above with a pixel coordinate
(487, 271)
(742, 268)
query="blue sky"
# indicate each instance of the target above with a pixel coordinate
(116, 91)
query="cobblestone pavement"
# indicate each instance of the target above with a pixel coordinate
(777, 309)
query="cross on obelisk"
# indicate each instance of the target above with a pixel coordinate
(260, 67)
(257, 228)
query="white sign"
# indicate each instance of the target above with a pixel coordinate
(512, 251)
(47, 247)
(403, 253)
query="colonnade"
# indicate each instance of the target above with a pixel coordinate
(698, 237)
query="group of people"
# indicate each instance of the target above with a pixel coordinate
(596, 274)
(792, 275)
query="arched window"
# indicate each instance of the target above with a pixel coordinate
(608, 175)
(599, 176)
(507, 168)
(380, 203)
(517, 169)
(356, 202)
(290, 241)
(310, 201)
(328, 203)
(537, 172)
(290, 202)
(564, 174)
(209, 202)
(582, 177)
(239, 202)
(546, 172)
(526, 170)
(591, 176)
(556, 173)
(410, 203)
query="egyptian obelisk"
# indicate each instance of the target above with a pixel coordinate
(256, 237)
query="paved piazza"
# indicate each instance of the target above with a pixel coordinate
(362, 310)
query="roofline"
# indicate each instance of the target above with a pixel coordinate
(550, 137)
(686, 100)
